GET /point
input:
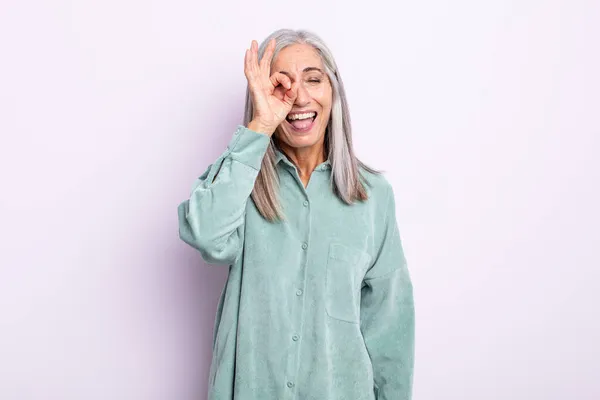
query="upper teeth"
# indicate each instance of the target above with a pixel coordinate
(301, 116)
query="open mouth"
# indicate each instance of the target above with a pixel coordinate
(302, 122)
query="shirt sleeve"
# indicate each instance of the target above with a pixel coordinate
(212, 219)
(387, 317)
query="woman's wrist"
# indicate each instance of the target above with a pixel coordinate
(256, 126)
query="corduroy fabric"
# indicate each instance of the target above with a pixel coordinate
(318, 307)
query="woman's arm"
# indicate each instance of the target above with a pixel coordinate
(212, 219)
(387, 317)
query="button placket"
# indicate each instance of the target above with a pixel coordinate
(292, 360)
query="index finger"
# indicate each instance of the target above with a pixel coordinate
(265, 61)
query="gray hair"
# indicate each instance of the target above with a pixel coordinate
(345, 166)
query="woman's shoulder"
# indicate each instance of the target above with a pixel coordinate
(378, 187)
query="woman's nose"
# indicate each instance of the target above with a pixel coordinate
(302, 97)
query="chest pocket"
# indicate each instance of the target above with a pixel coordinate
(346, 267)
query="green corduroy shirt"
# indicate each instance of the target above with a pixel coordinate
(316, 307)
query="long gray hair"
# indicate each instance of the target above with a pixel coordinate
(346, 178)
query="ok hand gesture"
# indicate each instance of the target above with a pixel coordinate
(272, 95)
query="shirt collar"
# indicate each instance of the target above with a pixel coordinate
(280, 156)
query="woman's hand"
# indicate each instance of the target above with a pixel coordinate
(272, 95)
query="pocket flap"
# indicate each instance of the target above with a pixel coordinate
(347, 253)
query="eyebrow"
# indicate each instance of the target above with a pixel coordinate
(307, 69)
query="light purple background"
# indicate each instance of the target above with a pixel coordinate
(484, 113)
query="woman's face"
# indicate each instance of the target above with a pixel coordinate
(301, 62)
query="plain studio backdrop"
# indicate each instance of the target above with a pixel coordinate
(483, 113)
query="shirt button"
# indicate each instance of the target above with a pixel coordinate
(295, 338)
(304, 245)
(305, 203)
(298, 292)
(290, 384)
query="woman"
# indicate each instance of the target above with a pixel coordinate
(318, 302)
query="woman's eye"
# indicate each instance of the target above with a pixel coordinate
(314, 80)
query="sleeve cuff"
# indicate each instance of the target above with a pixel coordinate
(248, 146)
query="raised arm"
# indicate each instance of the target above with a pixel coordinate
(212, 219)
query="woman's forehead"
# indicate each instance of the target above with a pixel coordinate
(298, 58)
